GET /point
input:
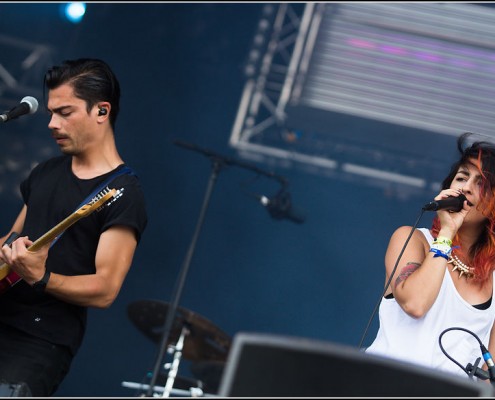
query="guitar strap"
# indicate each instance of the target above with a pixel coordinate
(121, 171)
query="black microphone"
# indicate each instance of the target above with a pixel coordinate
(28, 105)
(280, 207)
(450, 203)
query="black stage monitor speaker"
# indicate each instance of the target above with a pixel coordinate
(263, 365)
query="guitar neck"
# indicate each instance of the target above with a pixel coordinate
(55, 231)
(46, 238)
(95, 204)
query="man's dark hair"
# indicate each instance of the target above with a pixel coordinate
(92, 80)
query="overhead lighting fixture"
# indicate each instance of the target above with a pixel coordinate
(74, 12)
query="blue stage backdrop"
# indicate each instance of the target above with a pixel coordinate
(181, 68)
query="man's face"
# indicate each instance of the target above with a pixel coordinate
(73, 128)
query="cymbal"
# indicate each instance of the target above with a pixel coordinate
(204, 342)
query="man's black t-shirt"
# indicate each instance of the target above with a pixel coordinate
(52, 193)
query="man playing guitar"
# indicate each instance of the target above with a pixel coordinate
(60, 273)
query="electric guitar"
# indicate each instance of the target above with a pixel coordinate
(8, 278)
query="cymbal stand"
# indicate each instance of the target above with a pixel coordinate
(192, 392)
(217, 162)
(216, 165)
(174, 366)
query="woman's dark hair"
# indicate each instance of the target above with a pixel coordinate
(482, 151)
(92, 79)
(482, 155)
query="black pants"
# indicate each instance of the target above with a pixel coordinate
(25, 359)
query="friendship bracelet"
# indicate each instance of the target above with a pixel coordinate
(444, 248)
(439, 253)
(443, 240)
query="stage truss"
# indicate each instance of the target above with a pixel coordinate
(21, 74)
(375, 93)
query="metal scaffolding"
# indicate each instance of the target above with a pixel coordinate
(21, 74)
(22, 71)
(354, 90)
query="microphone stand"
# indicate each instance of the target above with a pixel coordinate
(474, 370)
(217, 163)
(231, 161)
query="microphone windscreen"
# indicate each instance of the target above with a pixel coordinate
(33, 103)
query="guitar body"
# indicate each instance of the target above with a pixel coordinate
(8, 278)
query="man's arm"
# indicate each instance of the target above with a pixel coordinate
(114, 255)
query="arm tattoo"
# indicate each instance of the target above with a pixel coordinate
(406, 271)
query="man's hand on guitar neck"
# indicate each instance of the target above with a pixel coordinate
(29, 265)
(13, 236)
(8, 242)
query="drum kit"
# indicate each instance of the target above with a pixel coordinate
(192, 337)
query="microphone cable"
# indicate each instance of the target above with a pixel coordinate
(484, 351)
(390, 279)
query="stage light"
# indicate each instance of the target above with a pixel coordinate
(74, 12)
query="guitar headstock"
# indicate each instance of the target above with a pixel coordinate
(105, 197)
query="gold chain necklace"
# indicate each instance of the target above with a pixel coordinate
(462, 268)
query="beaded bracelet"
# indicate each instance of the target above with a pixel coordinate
(439, 253)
